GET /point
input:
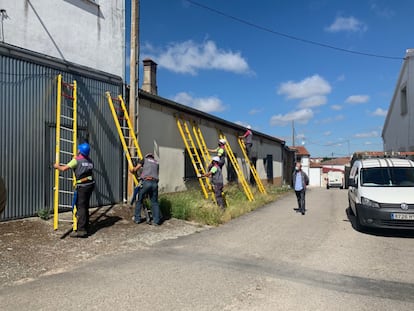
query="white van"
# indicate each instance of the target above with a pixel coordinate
(381, 193)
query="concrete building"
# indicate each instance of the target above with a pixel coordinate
(397, 133)
(158, 133)
(85, 32)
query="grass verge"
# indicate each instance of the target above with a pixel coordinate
(191, 205)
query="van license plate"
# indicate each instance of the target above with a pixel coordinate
(402, 216)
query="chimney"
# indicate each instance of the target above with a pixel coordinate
(150, 77)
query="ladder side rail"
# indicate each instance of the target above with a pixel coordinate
(57, 153)
(75, 137)
(239, 172)
(187, 146)
(251, 166)
(131, 129)
(120, 134)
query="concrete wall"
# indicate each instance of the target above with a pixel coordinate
(77, 31)
(158, 133)
(398, 130)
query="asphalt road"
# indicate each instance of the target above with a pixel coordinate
(271, 259)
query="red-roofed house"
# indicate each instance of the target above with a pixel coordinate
(302, 156)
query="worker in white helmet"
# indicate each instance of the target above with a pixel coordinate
(220, 151)
(248, 140)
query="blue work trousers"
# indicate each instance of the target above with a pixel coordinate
(149, 187)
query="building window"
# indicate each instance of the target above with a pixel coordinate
(403, 101)
(189, 172)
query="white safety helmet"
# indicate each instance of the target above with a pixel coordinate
(222, 141)
(248, 127)
(216, 159)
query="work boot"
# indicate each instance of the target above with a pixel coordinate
(79, 234)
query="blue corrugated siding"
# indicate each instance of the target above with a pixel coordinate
(27, 131)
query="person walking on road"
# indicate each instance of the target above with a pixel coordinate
(300, 181)
(82, 167)
(149, 177)
(217, 180)
(248, 140)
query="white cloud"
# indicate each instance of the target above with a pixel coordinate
(357, 99)
(382, 12)
(330, 119)
(301, 116)
(336, 107)
(255, 111)
(327, 133)
(367, 134)
(244, 124)
(189, 57)
(313, 101)
(206, 104)
(380, 112)
(346, 24)
(341, 78)
(311, 86)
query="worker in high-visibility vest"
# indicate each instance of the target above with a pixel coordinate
(220, 152)
(82, 166)
(217, 180)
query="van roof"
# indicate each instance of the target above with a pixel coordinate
(386, 162)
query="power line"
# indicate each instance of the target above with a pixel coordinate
(281, 34)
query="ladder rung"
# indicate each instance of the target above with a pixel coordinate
(66, 128)
(67, 96)
(68, 107)
(65, 178)
(66, 152)
(65, 191)
(69, 85)
(65, 220)
(67, 118)
(66, 140)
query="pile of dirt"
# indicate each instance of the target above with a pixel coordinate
(30, 247)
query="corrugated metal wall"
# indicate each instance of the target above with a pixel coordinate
(27, 132)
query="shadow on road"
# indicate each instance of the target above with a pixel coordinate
(391, 233)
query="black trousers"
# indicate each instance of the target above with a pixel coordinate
(82, 206)
(300, 195)
(218, 190)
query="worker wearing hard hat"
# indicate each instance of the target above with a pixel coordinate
(217, 180)
(220, 151)
(82, 167)
(248, 140)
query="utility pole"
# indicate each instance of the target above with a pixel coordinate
(133, 77)
(293, 133)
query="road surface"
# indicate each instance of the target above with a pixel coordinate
(270, 259)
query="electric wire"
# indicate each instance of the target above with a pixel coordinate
(288, 36)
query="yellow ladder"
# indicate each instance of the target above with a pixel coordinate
(251, 166)
(66, 148)
(201, 143)
(236, 166)
(125, 130)
(194, 156)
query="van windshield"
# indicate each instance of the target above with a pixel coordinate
(388, 176)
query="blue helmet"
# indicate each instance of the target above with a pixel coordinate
(84, 149)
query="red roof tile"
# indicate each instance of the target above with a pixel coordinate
(300, 150)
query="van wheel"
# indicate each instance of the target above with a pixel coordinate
(358, 225)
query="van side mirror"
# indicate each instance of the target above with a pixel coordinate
(352, 183)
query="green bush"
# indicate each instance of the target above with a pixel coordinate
(44, 213)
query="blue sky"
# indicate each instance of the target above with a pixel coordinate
(239, 64)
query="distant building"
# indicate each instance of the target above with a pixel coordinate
(398, 130)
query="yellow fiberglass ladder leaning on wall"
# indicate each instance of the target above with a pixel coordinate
(125, 130)
(251, 166)
(237, 168)
(66, 148)
(201, 143)
(195, 157)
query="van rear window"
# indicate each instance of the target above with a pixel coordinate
(388, 176)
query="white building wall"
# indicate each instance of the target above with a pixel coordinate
(86, 32)
(315, 177)
(398, 132)
(158, 133)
